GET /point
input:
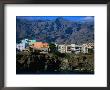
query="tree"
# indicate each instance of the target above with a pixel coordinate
(90, 50)
(52, 48)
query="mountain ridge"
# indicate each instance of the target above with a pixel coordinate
(58, 30)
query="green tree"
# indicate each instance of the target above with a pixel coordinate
(52, 47)
(90, 50)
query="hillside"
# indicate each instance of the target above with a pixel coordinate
(58, 30)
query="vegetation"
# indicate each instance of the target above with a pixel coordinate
(58, 30)
(61, 31)
(52, 48)
(56, 62)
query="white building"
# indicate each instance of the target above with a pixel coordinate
(76, 48)
(25, 41)
(73, 47)
(68, 48)
(20, 46)
(84, 48)
(62, 48)
(87, 46)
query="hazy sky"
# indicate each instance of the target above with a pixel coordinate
(78, 18)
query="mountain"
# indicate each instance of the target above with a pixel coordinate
(58, 30)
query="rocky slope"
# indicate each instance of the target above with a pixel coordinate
(58, 30)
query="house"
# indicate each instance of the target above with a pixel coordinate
(20, 46)
(73, 47)
(24, 43)
(31, 42)
(44, 47)
(62, 48)
(86, 47)
(76, 48)
(40, 45)
(28, 42)
(68, 48)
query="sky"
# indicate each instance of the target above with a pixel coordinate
(76, 18)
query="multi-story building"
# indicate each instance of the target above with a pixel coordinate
(76, 48)
(62, 48)
(68, 48)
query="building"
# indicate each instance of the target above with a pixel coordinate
(86, 47)
(76, 48)
(62, 48)
(43, 47)
(73, 47)
(24, 43)
(68, 48)
(28, 42)
(31, 42)
(20, 46)
(40, 45)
